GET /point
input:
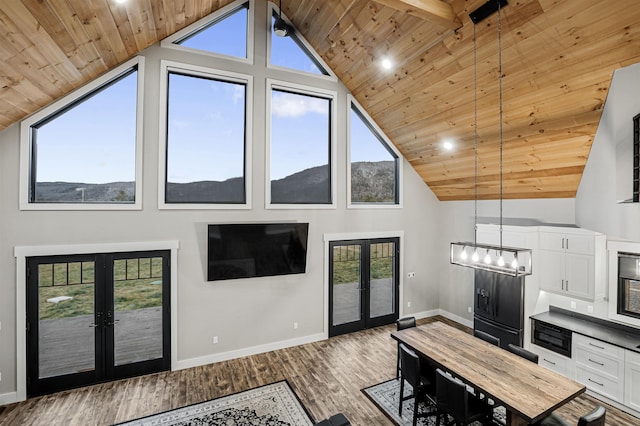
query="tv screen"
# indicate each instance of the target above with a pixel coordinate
(256, 250)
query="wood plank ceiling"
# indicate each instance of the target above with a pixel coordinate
(558, 57)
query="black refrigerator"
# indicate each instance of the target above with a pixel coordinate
(499, 306)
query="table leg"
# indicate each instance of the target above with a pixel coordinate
(513, 419)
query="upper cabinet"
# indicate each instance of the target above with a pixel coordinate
(572, 262)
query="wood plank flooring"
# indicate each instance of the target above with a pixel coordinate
(326, 375)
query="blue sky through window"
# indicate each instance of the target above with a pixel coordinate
(299, 133)
(93, 142)
(364, 143)
(227, 36)
(206, 129)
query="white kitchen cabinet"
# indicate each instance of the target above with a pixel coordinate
(554, 361)
(573, 262)
(600, 366)
(632, 380)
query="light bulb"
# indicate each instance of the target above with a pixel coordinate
(475, 256)
(463, 255)
(487, 258)
(500, 260)
(514, 264)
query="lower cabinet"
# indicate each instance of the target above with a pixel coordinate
(554, 361)
(600, 366)
(632, 380)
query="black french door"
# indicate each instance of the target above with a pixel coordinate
(363, 285)
(95, 318)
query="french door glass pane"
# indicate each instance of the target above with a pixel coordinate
(137, 287)
(381, 269)
(346, 284)
(66, 315)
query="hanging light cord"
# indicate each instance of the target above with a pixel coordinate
(500, 80)
(475, 136)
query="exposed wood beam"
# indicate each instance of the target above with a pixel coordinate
(435, 11)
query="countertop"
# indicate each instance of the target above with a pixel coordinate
(606, 331)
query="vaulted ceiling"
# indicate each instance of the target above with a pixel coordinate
(558, 57)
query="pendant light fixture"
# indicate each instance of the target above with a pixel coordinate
(504, 260)
(280, 27)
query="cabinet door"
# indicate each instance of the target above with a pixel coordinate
(552, 241)
(579, 244)
(579, 275)
(632, 380)
(552, 270)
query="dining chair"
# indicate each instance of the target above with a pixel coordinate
(595, 417)
(453, 399)
(402, 324)
(423, 388)
(487, 337)
(528, 355)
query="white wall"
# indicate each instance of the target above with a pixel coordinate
(596, 206)
(246, 313)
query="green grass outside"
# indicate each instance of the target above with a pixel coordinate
(143, 292)
(346, 264)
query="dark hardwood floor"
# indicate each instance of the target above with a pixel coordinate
(327, 376)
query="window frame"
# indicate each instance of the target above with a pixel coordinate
(303, 90)
(368, 121)
(210, 19)
(300, 40)
(26, 148)
(197, 71)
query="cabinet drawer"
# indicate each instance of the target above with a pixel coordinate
(599, 383)
(553, 361)
(597, 346)
(609, 366)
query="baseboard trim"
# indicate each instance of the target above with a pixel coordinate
(253, 350)
(456, 318)
(8, 398)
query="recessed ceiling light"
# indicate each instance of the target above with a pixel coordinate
(121, 1)
(387, 64)
(448, 145)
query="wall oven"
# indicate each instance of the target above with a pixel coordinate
(552, 337)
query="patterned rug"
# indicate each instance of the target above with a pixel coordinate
(273, 405)
(386, 397)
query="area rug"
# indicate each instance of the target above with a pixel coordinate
(386, 397)
(273, 405)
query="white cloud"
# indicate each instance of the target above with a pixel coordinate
(292, 105)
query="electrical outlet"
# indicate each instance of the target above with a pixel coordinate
(215, 339)
(0, 376)
(408, 304)
(469, 309)
(411, 275)
(589, 309)
(295, 325)
(573, 304)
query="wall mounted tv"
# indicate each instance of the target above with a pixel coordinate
(243, 250)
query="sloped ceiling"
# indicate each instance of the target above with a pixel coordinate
(558, 57)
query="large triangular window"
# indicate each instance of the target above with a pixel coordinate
(293, 51)
(224, 33)
(374, 163)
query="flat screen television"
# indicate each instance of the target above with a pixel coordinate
(244, 250)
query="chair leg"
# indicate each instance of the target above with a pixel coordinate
(415, 409)
(437, 417)
(401, 396)
(398, 362)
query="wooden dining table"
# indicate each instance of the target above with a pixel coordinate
(529, 392)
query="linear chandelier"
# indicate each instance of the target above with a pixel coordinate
(503, 260)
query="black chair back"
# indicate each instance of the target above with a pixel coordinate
(409, 366)
(451, 396)
(523, 353)
(487, 337)
(407, 322)
(595, 417)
